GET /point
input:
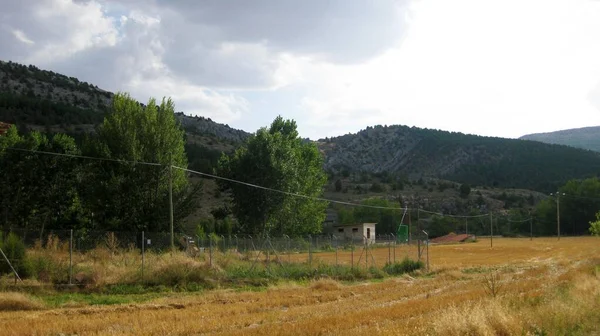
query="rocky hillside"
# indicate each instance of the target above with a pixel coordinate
(40, 99)
(417, 153)
(71, 102)
(585, 137)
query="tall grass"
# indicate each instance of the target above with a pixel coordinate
(109, 267)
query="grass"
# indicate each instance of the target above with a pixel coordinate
(549, 287)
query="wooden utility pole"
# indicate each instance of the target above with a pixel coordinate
(558, 214)
(491, 231)
(530, 228)
(171, 206)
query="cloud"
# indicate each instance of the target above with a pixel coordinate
(22, 37)
(502, 69)
(336, 30)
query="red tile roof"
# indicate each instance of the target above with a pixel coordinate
(452, 238)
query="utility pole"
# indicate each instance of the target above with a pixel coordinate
(466, 225)
(491, 231)
(171, 205)
(530, 228)
(558, 213)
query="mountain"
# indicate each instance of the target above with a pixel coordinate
(44, 100)
(585, 137)
(418, 153)
(34, 97)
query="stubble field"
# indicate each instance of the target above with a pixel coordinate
(539, 287)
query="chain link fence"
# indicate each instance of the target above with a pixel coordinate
(64, 256)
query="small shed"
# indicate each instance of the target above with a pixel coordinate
(364, 232)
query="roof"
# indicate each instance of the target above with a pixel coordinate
(355, 224)
(452, 238)
(4, 127)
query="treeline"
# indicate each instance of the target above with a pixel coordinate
(472, 159)
(23, 110)
(21, 73)
(41, 191)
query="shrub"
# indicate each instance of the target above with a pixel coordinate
(14, 249)
(405, 266)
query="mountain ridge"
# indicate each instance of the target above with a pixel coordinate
(582, 137)
(46, 100)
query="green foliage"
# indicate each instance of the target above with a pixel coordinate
(578, 207)
(405, 266)
(135, 196)
(15, 251)
(441, 225)
(387, 219)
(46, 195)
(595, 225)
(276, 158)
(21, 109)
(465, 190)
(377, 188)
(338, 185)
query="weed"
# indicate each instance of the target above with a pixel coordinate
(405, 266)
(492, 284)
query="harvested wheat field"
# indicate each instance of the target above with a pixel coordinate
(518, 287)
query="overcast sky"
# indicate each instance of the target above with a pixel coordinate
(500, 68)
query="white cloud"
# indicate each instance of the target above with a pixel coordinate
(22, 37)
(493, 68)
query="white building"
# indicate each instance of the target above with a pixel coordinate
(364, 232)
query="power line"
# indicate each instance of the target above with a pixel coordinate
(287, 192)
(83, 156)
(455, 216)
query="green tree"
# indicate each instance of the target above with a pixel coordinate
(338, 185)
(130, 196)
(595, 225)
(276, 158)
(465, 190)
(43, 185)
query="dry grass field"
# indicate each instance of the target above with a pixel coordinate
(518, 287)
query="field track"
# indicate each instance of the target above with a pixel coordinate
(453, 297)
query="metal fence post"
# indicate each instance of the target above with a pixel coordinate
(143, 253)
(394, 238)
(309, 250)
(210, 250)
(71, 258)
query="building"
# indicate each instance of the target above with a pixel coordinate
(364, 232)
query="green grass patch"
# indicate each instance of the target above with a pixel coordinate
(405, 266)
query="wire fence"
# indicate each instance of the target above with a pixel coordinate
(63, 257)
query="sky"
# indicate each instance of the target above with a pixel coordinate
(494, 68)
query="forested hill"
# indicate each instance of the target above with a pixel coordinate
(45, 100)
(31, 96)
(585, 137)
(415, 153)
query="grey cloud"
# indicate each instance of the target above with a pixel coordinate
(338, 30)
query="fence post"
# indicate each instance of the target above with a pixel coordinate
(71, 258)
(309, 250)
(336, 249)
(394, 238)
(143, 253)
(210, 250)
(352, 252)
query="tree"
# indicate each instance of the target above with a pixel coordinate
(338, 185)
(130, 196)
(595, 225)
(276, 158)
(43, 185)
(465, 190)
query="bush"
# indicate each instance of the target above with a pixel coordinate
(14, 249)
(405, 266)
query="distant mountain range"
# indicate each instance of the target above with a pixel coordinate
(38, 99)
(585, 137)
